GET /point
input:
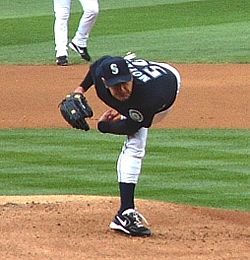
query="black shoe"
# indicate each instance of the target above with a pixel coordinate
(62, 60)
(130, 222)
(80, 50)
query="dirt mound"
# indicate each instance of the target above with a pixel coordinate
(76, 227)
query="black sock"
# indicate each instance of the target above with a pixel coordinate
(127, 191)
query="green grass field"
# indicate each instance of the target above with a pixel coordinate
(178, 31)
(200, 167)
(207, 167)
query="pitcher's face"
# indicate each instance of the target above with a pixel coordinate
(122, 91)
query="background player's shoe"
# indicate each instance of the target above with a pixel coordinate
(80, 50)
(62, 61)
(130, 222)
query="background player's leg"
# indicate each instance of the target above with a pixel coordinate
(88, 19)
(62, 13)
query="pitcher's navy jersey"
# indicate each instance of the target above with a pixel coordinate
(154, 90)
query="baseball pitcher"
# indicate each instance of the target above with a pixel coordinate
(138, 93)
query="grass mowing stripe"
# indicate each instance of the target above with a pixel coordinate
(202, 47)
(205, 45)
(35, 29)
(114, 4)
(19, 8)
(40, 28)
(181, 15)
(192, 171)
(198, 31)
(44, 163)
(191, 166)
(188, 45)
(16, 8)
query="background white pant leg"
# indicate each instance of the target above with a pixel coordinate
(130, 160)
(88, 19)
(62, 13)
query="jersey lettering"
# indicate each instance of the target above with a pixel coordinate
(139, 74)
(146, 71)
(155, 71)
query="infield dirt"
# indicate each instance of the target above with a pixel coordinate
(76, 227)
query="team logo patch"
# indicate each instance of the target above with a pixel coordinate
(135, 115)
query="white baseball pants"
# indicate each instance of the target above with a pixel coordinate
(62, 14)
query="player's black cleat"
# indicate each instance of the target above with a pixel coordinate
(62, 61)
(130, 222)
(83, 51)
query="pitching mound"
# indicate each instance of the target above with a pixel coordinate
(76, 227)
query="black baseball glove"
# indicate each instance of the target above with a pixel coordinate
(74, 109)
